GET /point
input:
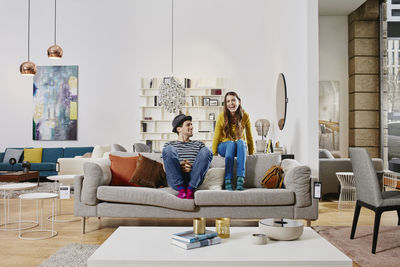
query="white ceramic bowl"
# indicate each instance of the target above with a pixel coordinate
(281, 229)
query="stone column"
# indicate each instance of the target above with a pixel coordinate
(364, 68)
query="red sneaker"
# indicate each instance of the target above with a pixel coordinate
(189, 194)
(182, 193)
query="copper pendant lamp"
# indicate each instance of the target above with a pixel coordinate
(55, 51)
(28, 68)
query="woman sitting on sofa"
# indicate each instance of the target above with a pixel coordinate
(232, 130)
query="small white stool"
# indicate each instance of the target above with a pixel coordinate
(347, 197)
(62, 179)
(8, 189)
(37, 197)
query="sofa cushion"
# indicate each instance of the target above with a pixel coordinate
(256, 167)
(297, 178)
(122, 169)
(153, 156)
(99, 150)
(44, 166)
(149, 173)
(6, 167)
(52, 154)
(248, 197)
(96, 174)
(33, 155)
(213, 180)
(161, 197)
(12, 153)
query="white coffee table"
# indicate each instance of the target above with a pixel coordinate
(8, 189)
(151, 246)
(62, 179)
(38, 197)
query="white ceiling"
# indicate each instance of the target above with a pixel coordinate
(338, 7)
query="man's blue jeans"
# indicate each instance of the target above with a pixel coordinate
(175, 175)
(229, 150)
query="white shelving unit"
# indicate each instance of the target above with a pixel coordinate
(202, 100)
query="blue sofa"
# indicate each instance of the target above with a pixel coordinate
(48, 166)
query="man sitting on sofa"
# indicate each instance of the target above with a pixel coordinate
(185, 161)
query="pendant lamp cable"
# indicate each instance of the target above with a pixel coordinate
(55, 20)
(172, 39)
(29, 25)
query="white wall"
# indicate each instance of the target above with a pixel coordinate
(115, 43)
(333, 65)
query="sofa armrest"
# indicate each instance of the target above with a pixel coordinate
(96, 174)
(297, 179)
(72, 165)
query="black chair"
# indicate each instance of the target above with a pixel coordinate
(369, 193)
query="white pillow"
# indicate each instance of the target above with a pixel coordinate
(213, 180)
(99, 151)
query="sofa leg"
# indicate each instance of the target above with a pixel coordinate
(308, 223)
(83, 219)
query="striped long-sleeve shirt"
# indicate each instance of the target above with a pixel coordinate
(187, 150)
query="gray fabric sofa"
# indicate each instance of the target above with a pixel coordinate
(94, 197)
(329, 167)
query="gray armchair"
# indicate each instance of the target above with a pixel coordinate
(369, 193)
(140, 147)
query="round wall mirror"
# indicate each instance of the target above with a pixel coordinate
(281, 101)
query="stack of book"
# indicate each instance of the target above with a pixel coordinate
(189, 240)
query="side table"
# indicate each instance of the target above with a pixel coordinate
(347, 197)
(38, 197)
(8, 189)
(62, 179)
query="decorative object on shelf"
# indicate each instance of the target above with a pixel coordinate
(281, 101)
(172, 93)
(56, 117)
(206, 101)
(262, 127)
(216, 91)
(214, 102)
(55, 51)
(26, 165)
(211, 116)
(28, 68)
(281, 229)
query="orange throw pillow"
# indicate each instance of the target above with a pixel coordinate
(149, 173)
(122, 169)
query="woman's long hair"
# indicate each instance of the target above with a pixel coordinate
(236, 119)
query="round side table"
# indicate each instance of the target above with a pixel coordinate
(38, 197)
(347, 197)
(7, 192)
(62, 179)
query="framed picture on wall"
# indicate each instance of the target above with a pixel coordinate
(206, 101)
(214, 102)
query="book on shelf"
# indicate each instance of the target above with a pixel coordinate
(197, 244)
(190, 237)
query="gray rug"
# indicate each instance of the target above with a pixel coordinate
(43, 187)
(71, 255)
(359, 249)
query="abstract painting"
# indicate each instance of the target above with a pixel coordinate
(55, 103)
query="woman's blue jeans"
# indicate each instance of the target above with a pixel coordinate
(229, 150)
(175, 175)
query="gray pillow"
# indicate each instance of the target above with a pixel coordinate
(325, 154)
(12, 153)
(96, 173)
(297, 179)
(117, 147)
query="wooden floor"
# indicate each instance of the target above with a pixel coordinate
(17, 252)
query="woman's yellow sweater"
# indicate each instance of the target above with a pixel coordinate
(220, 136)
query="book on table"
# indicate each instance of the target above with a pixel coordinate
(190, 237)
(197, 244)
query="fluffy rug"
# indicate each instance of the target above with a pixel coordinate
(359, 249)
(72, 254)
(43, 187)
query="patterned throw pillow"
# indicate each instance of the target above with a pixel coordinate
(12, 153)
(149, 173)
